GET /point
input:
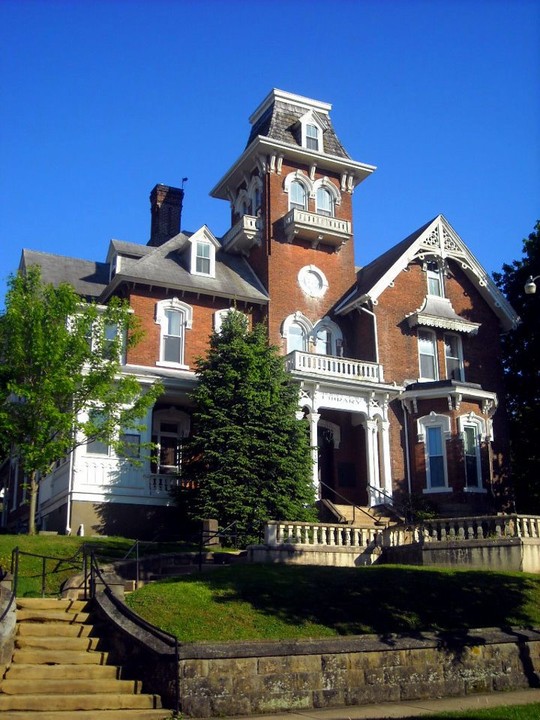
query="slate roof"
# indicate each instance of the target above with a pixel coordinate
(280, 122)
(89, 278)
(168, 266)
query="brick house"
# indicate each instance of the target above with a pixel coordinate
(398, 362)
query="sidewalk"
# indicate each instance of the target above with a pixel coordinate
(412, 708)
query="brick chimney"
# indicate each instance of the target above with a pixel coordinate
(166, 209)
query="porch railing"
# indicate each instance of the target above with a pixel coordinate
(478, 528)
(335, 367)
(321, 535)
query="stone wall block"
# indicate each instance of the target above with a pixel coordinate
(329, 698)
(305, 663)
(278, 684)
(333, 663)
(306, 681)
(336, 680)
(274, 665)
(193, 668)
(369, 694)
(234, 666)
(270, 702)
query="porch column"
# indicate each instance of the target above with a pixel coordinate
(385, 457)
(313, 422)
(372, 455)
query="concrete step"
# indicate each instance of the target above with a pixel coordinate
(64, 604)
(37, 656)
(49, 642)
(57, 672)
(97, 701)
(45, 615)
(67, 686)
(158, 714)
(54, 629)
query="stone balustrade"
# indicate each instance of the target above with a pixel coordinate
(476, 528)
(321, 535)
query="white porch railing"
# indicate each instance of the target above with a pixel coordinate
(478, 528)
(335, 367)
(321, 535)
(316, 228)
(161, 485)
(464, 529)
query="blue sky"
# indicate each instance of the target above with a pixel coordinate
(102, 100)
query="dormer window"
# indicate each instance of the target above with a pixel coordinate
(203, 253)
(312, 137)
(202, 258)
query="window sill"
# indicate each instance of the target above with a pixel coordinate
(427, 491)
(175, 366)
(475, 490)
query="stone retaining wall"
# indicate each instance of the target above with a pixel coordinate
(250, 678)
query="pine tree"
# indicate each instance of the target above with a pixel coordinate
(521, 358)
(249, 457)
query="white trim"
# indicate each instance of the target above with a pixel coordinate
(186, 321)
(441, 422)
(312, 281)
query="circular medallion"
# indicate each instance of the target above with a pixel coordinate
(312, 281)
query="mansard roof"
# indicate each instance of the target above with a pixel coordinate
(435, 239)
(89, 278)
(279, 114)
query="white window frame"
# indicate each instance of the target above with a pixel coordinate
(186, 322)
(335, 341)
(434, 275)
(220, 315)
(293, 204)
(478, 424)
(203, 254)
(455, 358)
(433, 340)
(307, 121)
(298, 176)
(297, 319)
(442, 424)
(203, 236)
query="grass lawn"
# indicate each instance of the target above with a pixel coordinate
(516, 712)
(62, 546)
(255, 602)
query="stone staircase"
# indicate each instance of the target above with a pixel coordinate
(365, 517)
(59, 668)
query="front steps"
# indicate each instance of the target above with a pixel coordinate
(59, 667)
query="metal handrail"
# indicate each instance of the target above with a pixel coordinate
(165, 637)
(397, 506)
(348, 502)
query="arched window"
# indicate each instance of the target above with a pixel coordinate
(296, 331)
(325, 202)
(328, 338)
(174, 317)
(297, 195)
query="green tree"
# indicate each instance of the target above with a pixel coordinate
(249, 456)
(60, 377)
(521, 353)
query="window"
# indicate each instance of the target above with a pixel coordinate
(435, 280)
(434, 430)
(454, 357)
(202, 262)
(296, 338)
(130, 445)
(174, 317)
(296, 331)
(169, 427)
(220, 315)
(435, 458)
(312, 137)
(325, 205)
(96, 420)
(297, 195)
(471, 451)
(109, 339)
(323, 341)
(472, 429)
(427, 351)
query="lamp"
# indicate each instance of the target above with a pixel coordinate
(530, 285)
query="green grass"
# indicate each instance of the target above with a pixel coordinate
(62, 546)
(515, 712)
(256, 602)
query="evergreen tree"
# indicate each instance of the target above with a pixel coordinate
(521, 355)
(249, 456)
(60, 376)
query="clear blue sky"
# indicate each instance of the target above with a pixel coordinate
(102, 100)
